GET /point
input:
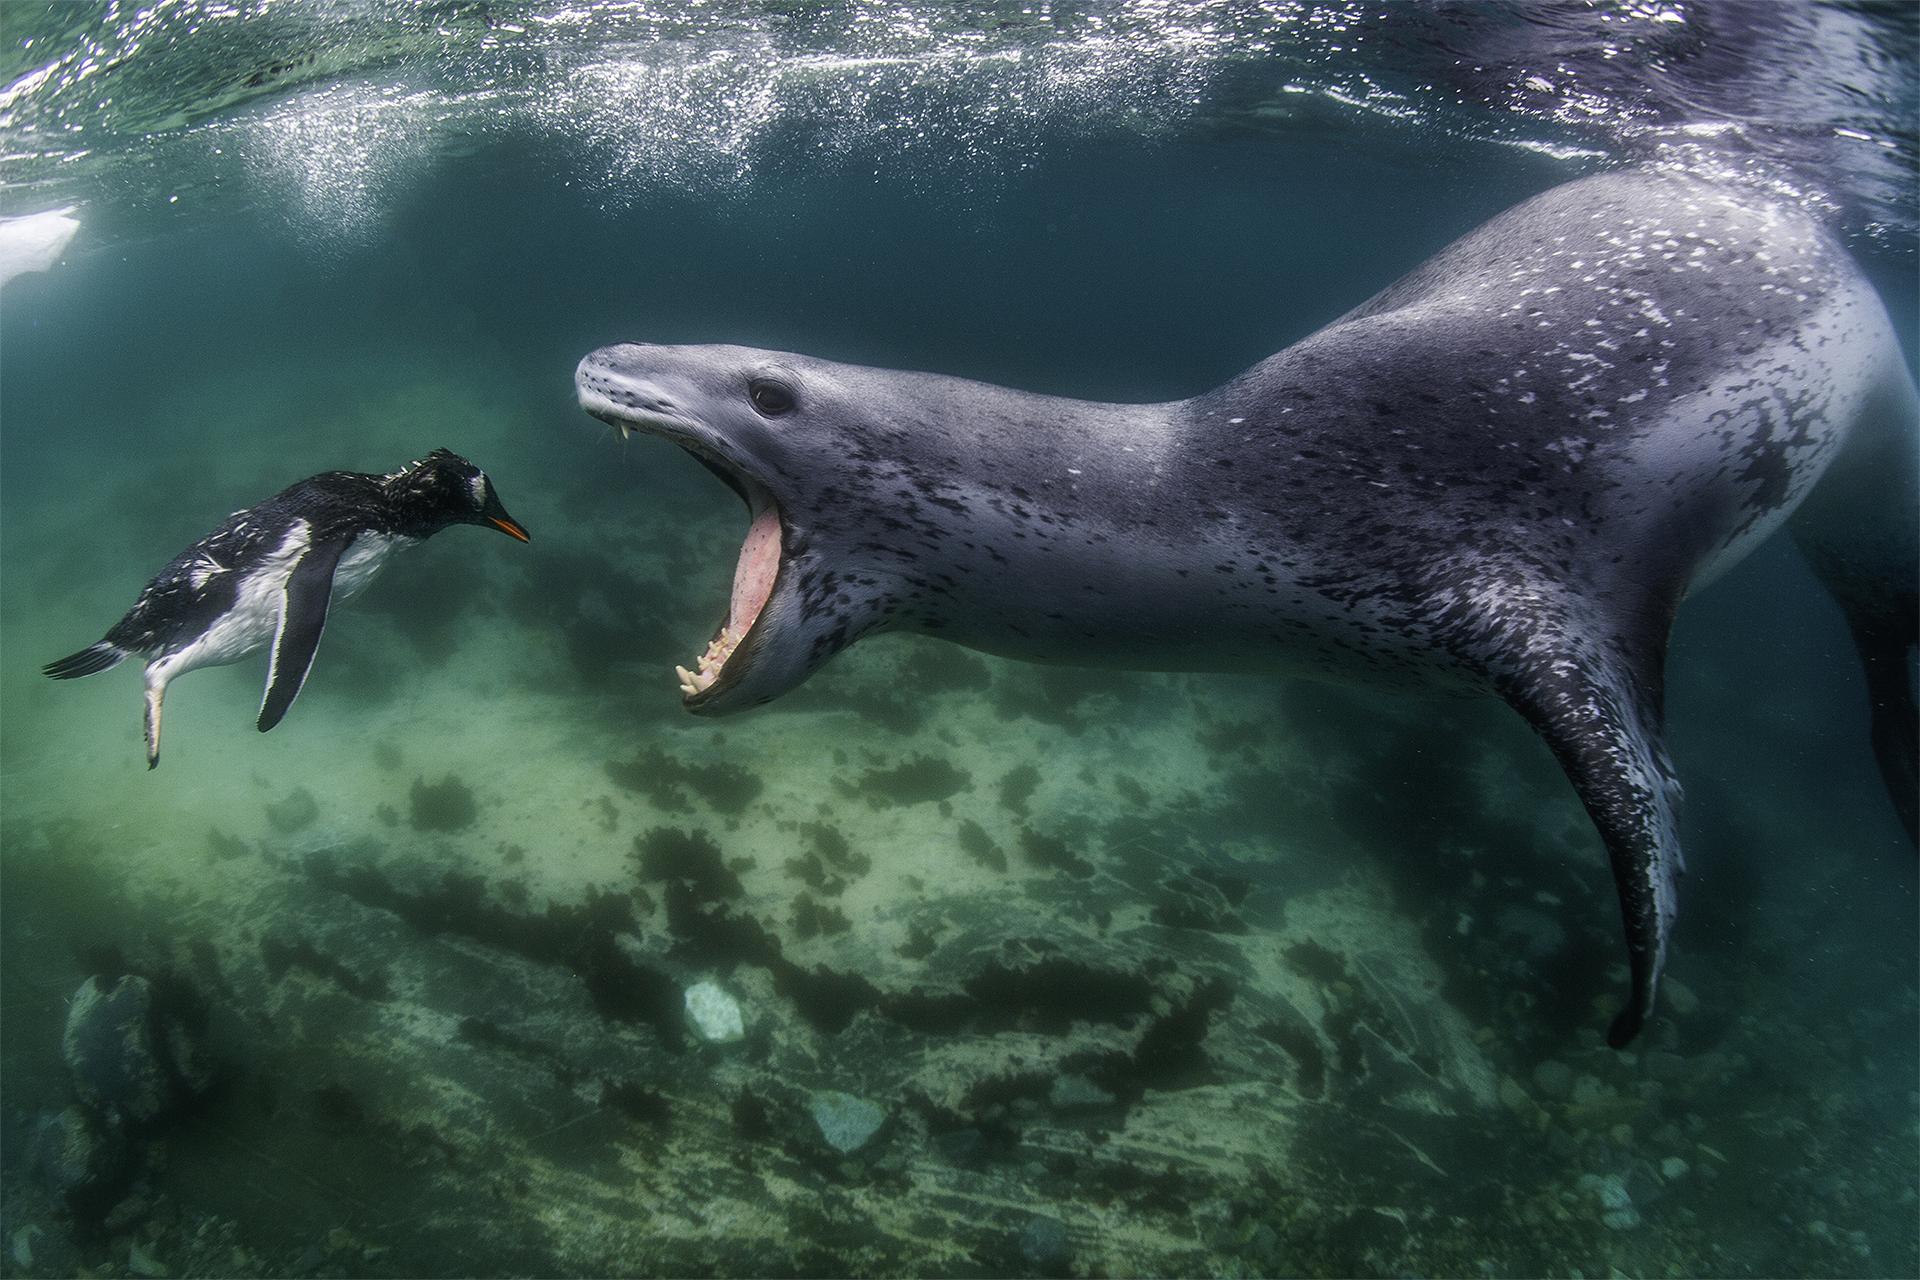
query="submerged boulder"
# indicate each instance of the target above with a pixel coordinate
(1607, 1193)
(846, 1122)
(110, 1049)
(1045, 1247)
(78, 1160)
(132, 1056)
(295, 812)
(713, 1014)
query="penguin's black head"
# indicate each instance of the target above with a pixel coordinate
(444, 489)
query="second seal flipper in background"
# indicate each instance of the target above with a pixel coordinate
(1860, 532)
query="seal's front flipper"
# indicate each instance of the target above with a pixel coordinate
(1596, 701)
(303, 616)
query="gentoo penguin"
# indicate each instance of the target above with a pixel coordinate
(271, 571)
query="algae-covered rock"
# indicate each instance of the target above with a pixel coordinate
(1607, 1194)
(294, 812)
(110, 1049)
(846, 1122)
(447, 805)
(1045, 1247)
(1553, 1078)
(78, 1160)
(142, 1263)
(1076, 1092)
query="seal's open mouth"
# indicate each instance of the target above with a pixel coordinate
(756, 575)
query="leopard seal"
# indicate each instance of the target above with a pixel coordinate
(1502, 473)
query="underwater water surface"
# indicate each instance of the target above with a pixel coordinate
(1039, 970)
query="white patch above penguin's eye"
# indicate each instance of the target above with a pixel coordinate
(477, 486)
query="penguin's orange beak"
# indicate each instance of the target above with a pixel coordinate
(507, 525)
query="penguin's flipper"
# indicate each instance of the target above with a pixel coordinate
(1593, 692)
(303, 616)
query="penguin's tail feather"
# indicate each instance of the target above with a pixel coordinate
(90, 661)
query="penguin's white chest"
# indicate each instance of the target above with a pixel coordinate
(363, 560)
(255, 616)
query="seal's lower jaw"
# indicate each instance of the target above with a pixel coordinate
(746, 631)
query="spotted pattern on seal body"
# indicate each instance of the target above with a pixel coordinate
(1503, 473)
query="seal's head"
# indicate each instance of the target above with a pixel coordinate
(808, 581)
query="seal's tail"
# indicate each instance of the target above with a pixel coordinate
(1860, 530)
(90, 661)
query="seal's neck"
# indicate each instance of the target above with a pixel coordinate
(1076, 532)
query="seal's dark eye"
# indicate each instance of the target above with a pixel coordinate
(769, 397)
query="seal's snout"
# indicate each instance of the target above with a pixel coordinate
(587, 371)
(595, 376)
(622, 359)
(611, 387)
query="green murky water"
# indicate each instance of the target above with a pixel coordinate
(1140, 974)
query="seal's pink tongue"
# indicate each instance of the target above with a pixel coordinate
(753, 576)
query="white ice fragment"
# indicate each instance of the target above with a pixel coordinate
(34, 241)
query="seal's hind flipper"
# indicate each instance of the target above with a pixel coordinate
(303, 616)
(1596, 700)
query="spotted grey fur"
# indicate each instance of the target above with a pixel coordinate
(1504, 472)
